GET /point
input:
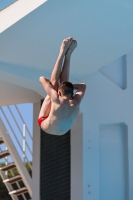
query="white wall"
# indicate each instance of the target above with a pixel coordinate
(108, 132)
(14, 94)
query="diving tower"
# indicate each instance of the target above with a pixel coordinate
(30, 42)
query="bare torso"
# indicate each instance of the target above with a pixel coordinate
(61, 117)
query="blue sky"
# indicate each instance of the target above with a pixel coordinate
(5, 3)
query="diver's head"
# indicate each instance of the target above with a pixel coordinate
(66, 89)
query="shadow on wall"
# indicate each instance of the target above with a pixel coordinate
(116, 71)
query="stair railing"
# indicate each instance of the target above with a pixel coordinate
(5, 175)
(18, 163)
(23, 145)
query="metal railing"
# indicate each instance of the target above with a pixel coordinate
(19, 136)
(5, 175)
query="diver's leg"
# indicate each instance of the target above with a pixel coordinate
(55, 76)
(56, 73)
(66, 66)
(45, 108)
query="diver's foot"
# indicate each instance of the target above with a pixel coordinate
(71, 48)
(65, 45)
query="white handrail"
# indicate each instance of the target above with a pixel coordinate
(28, 162)
(14, 120)
(23, 122)
(13, 174)
(28, 147)
(18, 126)
(11, 128)
(24, 136)
(16, 157)
(17, 138)
(6, 158)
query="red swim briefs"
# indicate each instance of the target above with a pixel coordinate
(41, 119)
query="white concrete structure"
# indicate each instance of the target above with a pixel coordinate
(107, 135)
(103, 60)
(21, 8)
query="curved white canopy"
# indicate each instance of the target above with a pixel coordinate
(29, 48)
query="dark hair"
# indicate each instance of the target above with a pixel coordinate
(66, 88)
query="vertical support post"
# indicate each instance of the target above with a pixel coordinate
(6, 161)
(24, 142)
(77, 158)
(36, 154)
